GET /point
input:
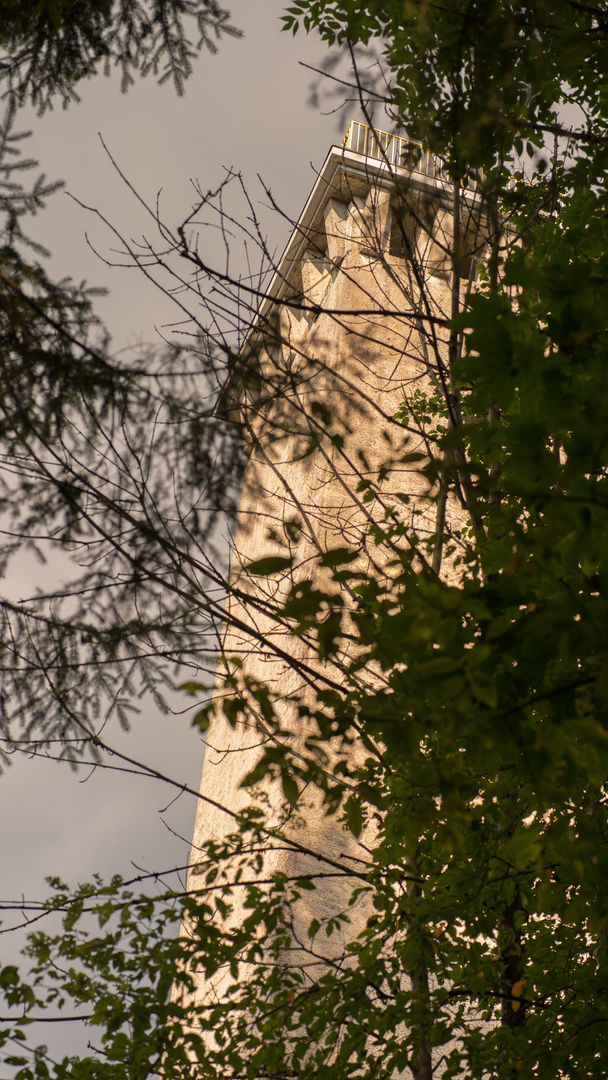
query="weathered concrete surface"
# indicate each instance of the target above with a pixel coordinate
(354, 332)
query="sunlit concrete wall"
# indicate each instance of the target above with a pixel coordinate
(353, 328)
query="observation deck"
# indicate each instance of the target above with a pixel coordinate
(397, 151)
(366, 157)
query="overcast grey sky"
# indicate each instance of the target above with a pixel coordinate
(245, 107)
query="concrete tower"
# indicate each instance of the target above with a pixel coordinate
(351, 328)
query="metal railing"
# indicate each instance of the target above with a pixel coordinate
(398, 151)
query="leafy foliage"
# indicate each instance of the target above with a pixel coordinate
(475, 80)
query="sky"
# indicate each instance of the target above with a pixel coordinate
(244, 108)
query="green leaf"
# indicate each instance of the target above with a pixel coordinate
(194, 688)
(272, 564)
(306, 883)
(290, 788)
(337, 557)
(354, 815)
(484, 688)
(202, 718)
